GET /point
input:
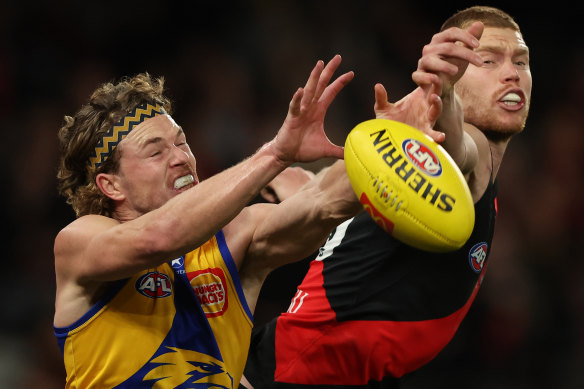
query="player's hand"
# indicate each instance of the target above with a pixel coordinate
(445, 59)
(302, 138)
(419, 109)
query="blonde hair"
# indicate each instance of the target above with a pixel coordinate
(489, 16)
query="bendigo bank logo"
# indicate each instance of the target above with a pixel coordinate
(419, 157)
(154, 285)
(210, 288)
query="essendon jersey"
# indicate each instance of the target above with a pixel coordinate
(371, 309)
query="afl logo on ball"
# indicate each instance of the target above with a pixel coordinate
(421, 156)
(477, 256)
(154, 285)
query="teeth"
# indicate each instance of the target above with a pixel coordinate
(183, 181)
(511, 98)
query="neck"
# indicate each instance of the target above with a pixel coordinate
(498, 145)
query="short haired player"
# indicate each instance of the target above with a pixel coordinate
(371, 309)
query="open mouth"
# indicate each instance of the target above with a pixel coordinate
(512, 100)
(183, 181)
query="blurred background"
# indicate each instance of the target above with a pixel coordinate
(231, 69)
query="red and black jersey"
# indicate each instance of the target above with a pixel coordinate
(371, 309)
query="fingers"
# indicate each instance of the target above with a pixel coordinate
(470, 39)
(294, 107)
(326, 75)
(311, 84)
(424, 79)
(435, 57)
(452, 43)
(476, 29)
(434, 107)
(322, 90)
(381, 101)
(331, 91)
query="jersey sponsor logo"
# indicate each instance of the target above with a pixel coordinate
(477, 256)
(179, 368)
(422, 156)
(211, 290)
(178, 265)
(154, 285)
(297, 301)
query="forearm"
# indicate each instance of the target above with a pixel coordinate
(450, 122)
(458, 143)
(191, 218)
(300, 224)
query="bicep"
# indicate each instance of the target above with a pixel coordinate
(99, 249)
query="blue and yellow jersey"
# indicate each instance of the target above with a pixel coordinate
(183, 324)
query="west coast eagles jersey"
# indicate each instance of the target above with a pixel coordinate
(184, 324)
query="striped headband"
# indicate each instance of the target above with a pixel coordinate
(118, 132)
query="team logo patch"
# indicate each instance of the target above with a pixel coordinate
(191, 370)
(477, 256)
(178, 263)
(154, 285)
(422, 157)
(211, 290)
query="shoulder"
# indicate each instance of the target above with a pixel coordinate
(81, 228)
(76, 236)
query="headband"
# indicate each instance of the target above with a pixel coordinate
(118, 132)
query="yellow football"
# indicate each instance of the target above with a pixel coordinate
(409, 185)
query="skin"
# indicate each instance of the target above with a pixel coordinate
(154, 222)
(466, 76)
(477, 72)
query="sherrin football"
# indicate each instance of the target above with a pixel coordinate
(409, 185)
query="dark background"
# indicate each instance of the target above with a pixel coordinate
(231, 69)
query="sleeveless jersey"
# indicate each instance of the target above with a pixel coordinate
(371, 309)
(183, 324)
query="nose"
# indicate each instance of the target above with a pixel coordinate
(509, 72)
(179, 156)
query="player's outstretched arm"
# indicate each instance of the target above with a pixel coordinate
(444, 60)
(99, 248)
(296, 227)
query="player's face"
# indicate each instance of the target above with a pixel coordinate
(496, 95)
(156, 164)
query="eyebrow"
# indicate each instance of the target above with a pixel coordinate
(523, 50)
(159, 139)
(150, 141)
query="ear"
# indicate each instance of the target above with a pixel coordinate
(109, 186)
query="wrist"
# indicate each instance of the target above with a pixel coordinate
(270, 150)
